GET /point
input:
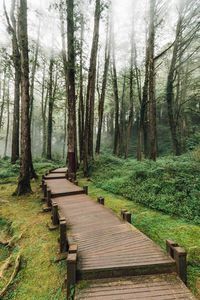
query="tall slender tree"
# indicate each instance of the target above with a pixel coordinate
(103, 89)
(130, 120)
(50, 113)
(81, 97)
(71, 91)
(152, 104)
(12, 28)
(92, 79)
(24, 179)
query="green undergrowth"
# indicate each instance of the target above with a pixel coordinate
(40, 277)
(170, 185)
(9, 172)
(158, 226)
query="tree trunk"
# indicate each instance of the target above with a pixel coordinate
(103, 92)
(3, 99)
(33, 71)
(143, 127)
(44, 108)
(50, 113)
(170, 93)
(24, 180)
(116, 97)
(64, 57)
(81, 105)
(71, 91)
(92, 77)
(8, 119)
(12, 26)
(152, 104)
(122, 123)
(130, 120)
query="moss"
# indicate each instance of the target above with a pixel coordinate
(39, 277)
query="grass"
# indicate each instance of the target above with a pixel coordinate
(159, 227)
(39, 276)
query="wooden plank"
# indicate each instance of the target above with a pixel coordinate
(160, 287)
(55, 176)
(59, 170)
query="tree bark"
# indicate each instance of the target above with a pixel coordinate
(3, 99)
(122, 126)
(44, 108)
(24, 180)
(50, 113)
(71, 91)
(152, 103)
(116, 97)
(81, 105)
(64, 57)
(103, 92)
(92, 77)
(8, 119)
(170, 93)
(12, 26)
(130, 120)
(33, 71)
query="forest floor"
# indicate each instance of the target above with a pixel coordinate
(40, 276)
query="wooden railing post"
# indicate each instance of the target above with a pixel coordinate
(63, 236)
(71, 273)
(45, 190)
(55, 219)
(122, 213)
(76, 182)
(127, 217)
(170, 244)
(49, 197)
(180, 256)
(85, 188)
(100, 200)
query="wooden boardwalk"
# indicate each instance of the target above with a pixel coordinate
(106, 245)
(111, 248)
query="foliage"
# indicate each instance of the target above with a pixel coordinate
(171, 185)
(9, 172)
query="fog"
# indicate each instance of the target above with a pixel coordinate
(126, 13)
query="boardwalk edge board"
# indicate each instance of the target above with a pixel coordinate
(87, 215)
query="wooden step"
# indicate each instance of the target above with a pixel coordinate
(146, 287)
